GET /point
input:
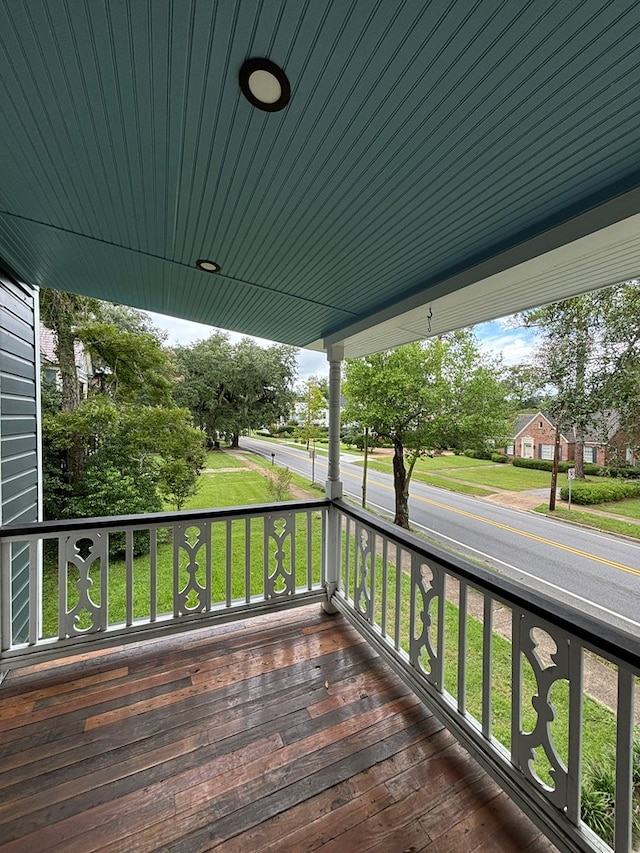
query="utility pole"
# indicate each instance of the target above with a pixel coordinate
(554, 471)
(364, 468)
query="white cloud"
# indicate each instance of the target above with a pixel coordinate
(498, 338)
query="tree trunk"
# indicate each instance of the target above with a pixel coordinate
(235, 439)
(579, 454)
(60, 315)
(582, 336)
(401, 486)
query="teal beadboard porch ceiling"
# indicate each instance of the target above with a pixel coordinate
(458, 159)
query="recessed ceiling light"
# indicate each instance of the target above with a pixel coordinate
(264, 85)
(208, 266)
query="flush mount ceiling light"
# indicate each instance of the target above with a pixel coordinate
(264, 85)
(208, 266)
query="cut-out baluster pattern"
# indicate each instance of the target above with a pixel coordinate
(84, 554)
(548, 669)
(279, 535)
(191, 548)
(362, 569)
(427, 591)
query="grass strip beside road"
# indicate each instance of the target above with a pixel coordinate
(591, 519)
(438, 482)
(630, 507)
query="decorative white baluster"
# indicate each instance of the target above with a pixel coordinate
(362, 570)
(86, 552)
(546, 674)
(427, 585)
(194, 542)
(280, 580)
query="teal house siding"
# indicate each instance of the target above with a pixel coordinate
(19, 469)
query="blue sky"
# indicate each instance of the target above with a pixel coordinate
(496, 337)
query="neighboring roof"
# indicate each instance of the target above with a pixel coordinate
(522, 421)
(48, 348)
(437, 164)
(525, 420)
(601, 428)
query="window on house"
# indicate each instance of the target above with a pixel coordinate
(589, 454)
(539, 424)
(510, 449)
(546, 451)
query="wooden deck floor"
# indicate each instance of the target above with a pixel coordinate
(285, 733)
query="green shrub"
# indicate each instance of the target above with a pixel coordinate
(287, 429)
(477, 454)
(586, 492)
(537, 464)
(598, 796)
(593, 470)
(499, 457)
(622, 472)
(547, 465)
(104, 491)
(279, 484)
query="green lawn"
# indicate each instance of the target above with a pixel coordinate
(439, 464)
(220, 459)
(508, 477)
(230, 488)
(480, 472)
(450, 485)
(630, 507)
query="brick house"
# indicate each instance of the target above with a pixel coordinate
(605, 443)
(534, 438)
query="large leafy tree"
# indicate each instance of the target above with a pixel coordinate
(129, 366)
(590, 354)
(569, 357)
(524, 386)
(128, 444)
(618, 385)
(233, 388)
(423, 396)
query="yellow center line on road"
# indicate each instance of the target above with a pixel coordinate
(505, 527)
(510, 529)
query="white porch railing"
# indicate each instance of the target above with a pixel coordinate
(492, 658)
(102, 580)
(433, 617)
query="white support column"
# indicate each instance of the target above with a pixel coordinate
(335, 354)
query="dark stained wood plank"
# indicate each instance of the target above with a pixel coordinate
(280, 733)
(329, 813)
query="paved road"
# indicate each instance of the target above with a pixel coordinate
(596, 572)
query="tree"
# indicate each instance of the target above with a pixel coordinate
(421, 396)
(524, 387)
(144, 450)
(570, 358)
(618, 385)
(313, 405)
(234, 388)
(128, 366)
(127, 443)
(62, 313)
